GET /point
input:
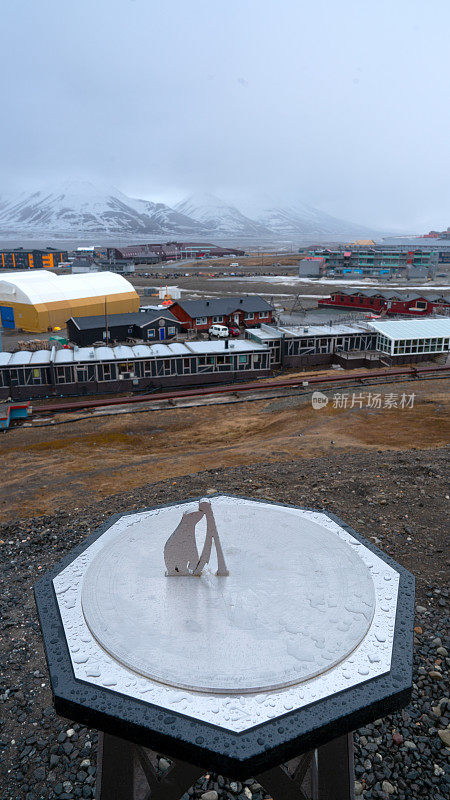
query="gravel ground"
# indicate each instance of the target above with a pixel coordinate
(397, 499)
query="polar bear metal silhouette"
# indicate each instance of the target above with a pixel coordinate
(180, 551)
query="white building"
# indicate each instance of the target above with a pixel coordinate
(412, 337)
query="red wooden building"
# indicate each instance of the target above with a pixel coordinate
(393, 303)
(248, 311)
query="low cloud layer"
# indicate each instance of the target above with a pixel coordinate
(343, 105)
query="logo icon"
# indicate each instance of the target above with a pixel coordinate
(318, 400)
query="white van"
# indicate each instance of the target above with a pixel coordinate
(219, 330)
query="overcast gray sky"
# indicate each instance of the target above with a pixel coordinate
(341, 103)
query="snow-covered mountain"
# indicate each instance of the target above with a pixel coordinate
(219, 217)
(294, 220)
(75, 209)
(79, 207)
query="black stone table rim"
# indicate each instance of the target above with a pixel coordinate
(242, 754)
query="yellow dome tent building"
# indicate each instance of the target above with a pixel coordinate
(38, 300)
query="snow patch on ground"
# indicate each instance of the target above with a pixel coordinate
(290, 281)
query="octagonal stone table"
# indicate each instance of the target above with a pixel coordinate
(240, 636)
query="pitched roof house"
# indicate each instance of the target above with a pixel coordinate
(246, 311)
(157, 324)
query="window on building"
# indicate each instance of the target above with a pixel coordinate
(171, 330)
(324, 345)
(205, 363)
(263, 314)
(16, 377)
(108, 370)
(250, 315)
(150, 333)
(217, 319)
(201, 321)
(224, 363)
(62, 376)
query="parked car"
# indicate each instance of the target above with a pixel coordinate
(233, 331)
(219, 330)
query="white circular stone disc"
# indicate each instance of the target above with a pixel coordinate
(296, 602)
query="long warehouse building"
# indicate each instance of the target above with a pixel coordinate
(93, 370)
(38, 301)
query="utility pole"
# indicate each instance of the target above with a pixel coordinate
(106, 320)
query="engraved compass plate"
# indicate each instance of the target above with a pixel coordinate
(297, 600)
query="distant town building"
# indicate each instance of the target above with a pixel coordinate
(205, 250)
(438, 234)
(171, 251)
(417, 273)
(389, 303)
(439, 248)
(19, 258)
(137, 253)
(169, 293)
(80, 265)
(384, 260)
(311, 267)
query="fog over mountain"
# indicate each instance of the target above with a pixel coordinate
(220, 217)
(76, 209)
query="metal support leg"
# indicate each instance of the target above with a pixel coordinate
(336, 769)
(130, 772)
(172, 783)
(115, 769)
(295, 779)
